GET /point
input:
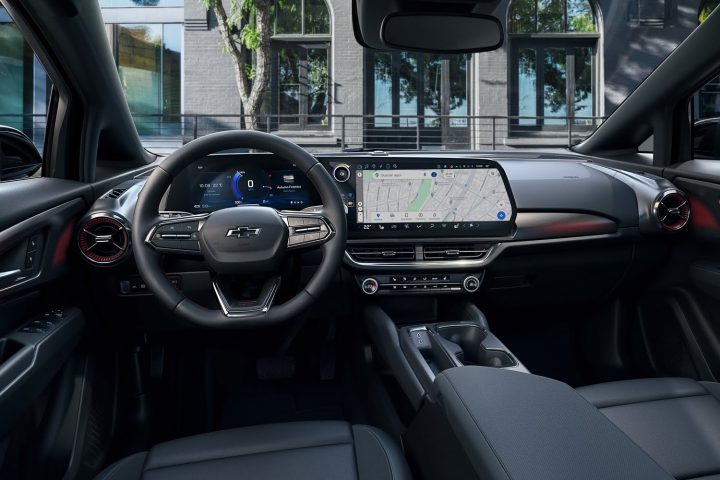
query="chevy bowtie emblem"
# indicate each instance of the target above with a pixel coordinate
(242, 232)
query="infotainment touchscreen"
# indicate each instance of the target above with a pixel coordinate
(445, 198)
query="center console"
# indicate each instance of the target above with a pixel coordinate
(479, 413)
(455, 334)
(422, 226)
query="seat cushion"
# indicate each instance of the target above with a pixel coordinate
(675, 420)
(302, 450)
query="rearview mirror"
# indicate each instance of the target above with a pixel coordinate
(446, 27)
(18, 156)
(442, 33)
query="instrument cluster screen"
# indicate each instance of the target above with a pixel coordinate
(212, 189)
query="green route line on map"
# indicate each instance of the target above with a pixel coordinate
(422, 195)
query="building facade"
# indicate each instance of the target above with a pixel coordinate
(564, 66)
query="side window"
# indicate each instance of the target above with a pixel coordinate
(24, 94)
(706, 106)
(706, 121)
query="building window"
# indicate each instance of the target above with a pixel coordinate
(300, 82)
(553, 57)
(149, 60)
(141, 3)
(301, 17)
(416, 91)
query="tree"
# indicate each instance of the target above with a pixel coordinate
(245, 31)
(707, 8)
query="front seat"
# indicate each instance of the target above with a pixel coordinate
(295, 451)
(675, 420)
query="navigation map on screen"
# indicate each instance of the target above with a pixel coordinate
(432, 195)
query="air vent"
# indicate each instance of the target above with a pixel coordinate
(672, 210)
(455, 251)
(103, 240)
(115, 193)
(382, 253)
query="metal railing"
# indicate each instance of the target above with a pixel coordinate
(333, 132)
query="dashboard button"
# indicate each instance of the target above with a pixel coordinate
(341, 173)
(471, 284)
(369, 286)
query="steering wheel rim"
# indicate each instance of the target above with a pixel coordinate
(147, 217)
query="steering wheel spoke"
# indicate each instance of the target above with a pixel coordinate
(178, 235)
(234, 307)
(307, 228)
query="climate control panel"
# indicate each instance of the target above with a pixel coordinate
(419, 283)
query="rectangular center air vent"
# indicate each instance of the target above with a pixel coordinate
(382, 253)
(115, 193)
(455, 251)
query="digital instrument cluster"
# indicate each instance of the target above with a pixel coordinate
(217, 182)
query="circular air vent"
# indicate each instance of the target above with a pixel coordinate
(103, 239)
(672, 210)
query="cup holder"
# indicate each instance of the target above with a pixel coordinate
(465, 342)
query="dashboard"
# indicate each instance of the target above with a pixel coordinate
(417, 197)
(429, 222)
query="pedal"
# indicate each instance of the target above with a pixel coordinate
(275, 368)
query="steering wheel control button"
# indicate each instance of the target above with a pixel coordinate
(370, 286)
(341, 173)
(177, 236)
(306, 230)
(471, 284)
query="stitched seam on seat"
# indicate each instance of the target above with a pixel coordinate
(382, 447)
(477, 424)
(651, 401)
(245, 455)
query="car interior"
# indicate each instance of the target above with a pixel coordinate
(242, 308)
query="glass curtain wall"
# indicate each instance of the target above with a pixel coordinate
(24, 85)
(149, 58)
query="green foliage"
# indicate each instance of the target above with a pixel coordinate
(547, 16)
(707, 8)
(582, 23)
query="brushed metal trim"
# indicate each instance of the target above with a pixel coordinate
(230, 312)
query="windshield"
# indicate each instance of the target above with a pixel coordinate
(293, 67)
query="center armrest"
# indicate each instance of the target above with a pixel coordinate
(491, 423)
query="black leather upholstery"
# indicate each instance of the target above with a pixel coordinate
(675, 420)
(515, 426)
(295, 451)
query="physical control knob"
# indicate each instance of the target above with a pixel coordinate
(471, 284)
(370, 286)
(341, 173)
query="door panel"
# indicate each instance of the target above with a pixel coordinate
(679, 317)
(39, 329)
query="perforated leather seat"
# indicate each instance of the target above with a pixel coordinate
(297, 451)
(675, 420)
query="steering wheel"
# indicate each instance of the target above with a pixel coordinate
(243, 240)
